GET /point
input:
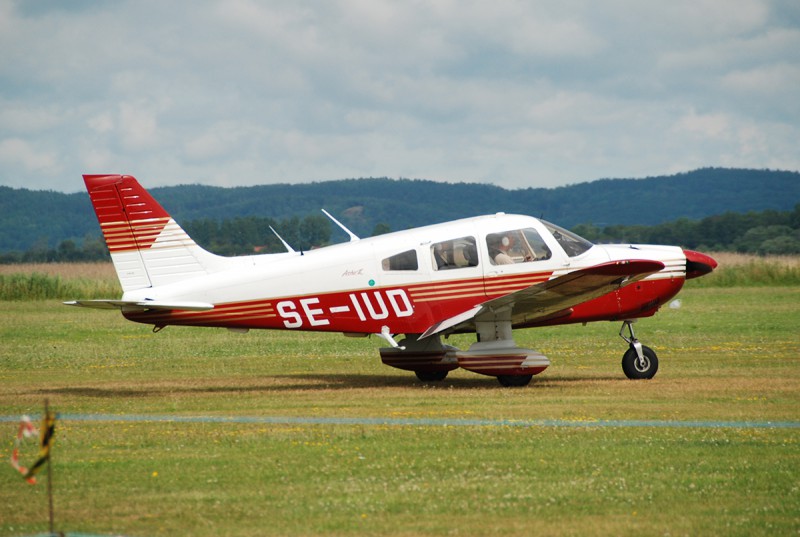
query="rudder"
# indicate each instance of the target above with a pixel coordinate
(147, 246)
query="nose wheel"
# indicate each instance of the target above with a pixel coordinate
(639, 361)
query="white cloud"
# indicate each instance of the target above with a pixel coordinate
(708, 126)
(22, 155)
(138, 127)
(518, 93)
(95, 159)
(765, 81)
(21, 117)
(101, 123)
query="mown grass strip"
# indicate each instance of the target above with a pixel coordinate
(422, 422)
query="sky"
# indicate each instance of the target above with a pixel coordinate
(513, 93)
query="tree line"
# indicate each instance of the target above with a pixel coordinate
(228, 237)
(764, 233)
(26, 216)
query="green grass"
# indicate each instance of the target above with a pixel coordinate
(58, 281)
(728, 354)
(39, 286)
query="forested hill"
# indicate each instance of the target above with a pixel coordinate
(45, 218)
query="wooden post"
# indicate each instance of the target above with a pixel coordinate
(50, 473)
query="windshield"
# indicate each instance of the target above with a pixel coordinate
(574, 245)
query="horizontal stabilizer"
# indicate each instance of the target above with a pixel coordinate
(141, 305)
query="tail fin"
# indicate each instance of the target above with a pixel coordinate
(147, 246)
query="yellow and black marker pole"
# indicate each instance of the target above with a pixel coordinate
(46, 435)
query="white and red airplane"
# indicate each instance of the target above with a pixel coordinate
(486, 275)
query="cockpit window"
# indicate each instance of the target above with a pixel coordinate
(574, 245)
(403, 261)
(454, 254)
(516, 246)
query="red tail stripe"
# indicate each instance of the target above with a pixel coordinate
(129, 217)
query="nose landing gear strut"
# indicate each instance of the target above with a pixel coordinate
(639, 361)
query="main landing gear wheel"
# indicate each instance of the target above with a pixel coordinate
(514, 381)
(635, 368)
(431, 376)
(640, 361)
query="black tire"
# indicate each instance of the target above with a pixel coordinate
(514, 381)
(632, 368)
(431, 376)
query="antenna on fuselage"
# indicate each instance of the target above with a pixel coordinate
(285, 244)
(353, 236)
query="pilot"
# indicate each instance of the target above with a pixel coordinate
(499, 245)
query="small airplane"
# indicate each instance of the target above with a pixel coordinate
(485, 275)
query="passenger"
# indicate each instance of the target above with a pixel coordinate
(471, 255)
(443, 255)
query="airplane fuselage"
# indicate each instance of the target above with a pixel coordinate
(349, 288)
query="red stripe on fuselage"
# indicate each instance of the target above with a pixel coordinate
(408, 309)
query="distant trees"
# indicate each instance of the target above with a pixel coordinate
(769, 240)
(381, 228)
(92, 248)
(237, 236)
(29, 217)
(252, 234)
(763, 233)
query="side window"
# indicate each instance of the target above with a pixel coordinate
(516, 246)
(455, 254)
(403, 261)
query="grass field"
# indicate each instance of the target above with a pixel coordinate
(729, 354)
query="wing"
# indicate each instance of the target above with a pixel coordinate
(141, 305)
(548, 299)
